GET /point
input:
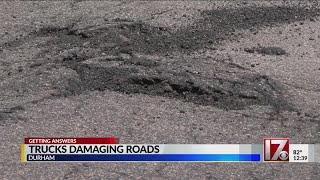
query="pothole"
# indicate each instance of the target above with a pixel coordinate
(231, 88)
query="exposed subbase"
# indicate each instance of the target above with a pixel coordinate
(120, 56)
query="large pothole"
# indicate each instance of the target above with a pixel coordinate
(230, 87)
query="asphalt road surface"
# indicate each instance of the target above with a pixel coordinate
(177, 72)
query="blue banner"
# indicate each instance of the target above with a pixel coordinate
(147, 157)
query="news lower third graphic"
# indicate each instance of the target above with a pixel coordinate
(110, 150)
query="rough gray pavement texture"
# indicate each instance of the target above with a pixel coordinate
(159, 72)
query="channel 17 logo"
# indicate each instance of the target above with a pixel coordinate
(276, 149)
